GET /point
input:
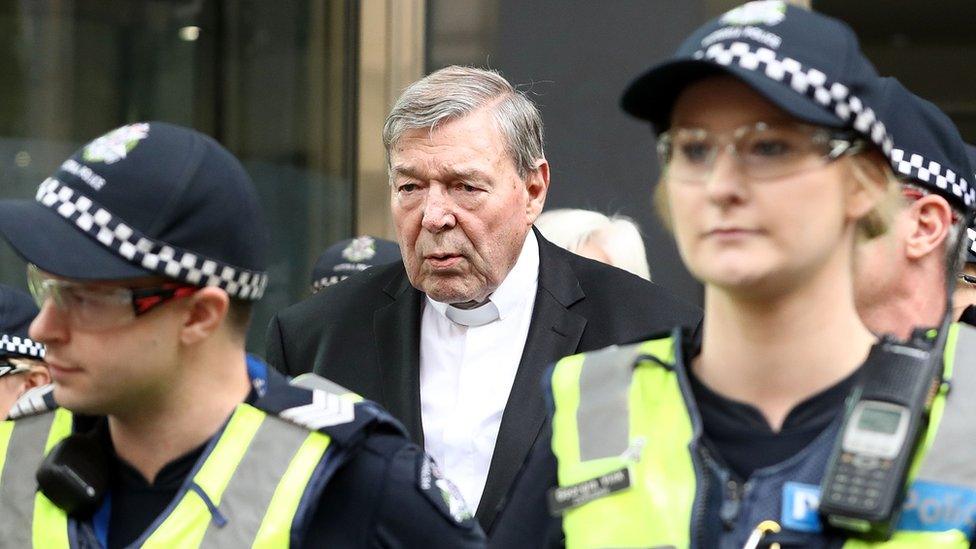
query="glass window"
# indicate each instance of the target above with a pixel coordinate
(273, 81)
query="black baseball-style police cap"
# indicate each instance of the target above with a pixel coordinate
(350, 256)
(927, 150)
(148, 198)
(17, 310)
(807, 64)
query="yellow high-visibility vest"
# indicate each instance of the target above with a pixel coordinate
(245, 493)
(621, 414)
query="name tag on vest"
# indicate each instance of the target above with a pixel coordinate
(929, 507)
(568, 497)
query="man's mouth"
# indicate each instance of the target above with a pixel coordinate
(442, 260)
(59, 370)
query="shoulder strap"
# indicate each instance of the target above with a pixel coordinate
(318, 404)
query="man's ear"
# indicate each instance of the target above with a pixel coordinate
(932, 220)
(207, 310)
(537, 186)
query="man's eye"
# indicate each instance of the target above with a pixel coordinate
(469, 188)
(407, 187)
(74, 297)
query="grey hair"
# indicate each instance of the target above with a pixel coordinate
(454, 92)
(956, 254)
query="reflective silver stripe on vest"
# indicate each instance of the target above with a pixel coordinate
(248, 494)
(602, 416)
(17, 484)
(952, 457)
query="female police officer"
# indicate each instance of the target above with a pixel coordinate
(773, 168)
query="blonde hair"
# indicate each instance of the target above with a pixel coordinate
(890, 199)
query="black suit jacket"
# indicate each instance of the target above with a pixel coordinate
(364, 334)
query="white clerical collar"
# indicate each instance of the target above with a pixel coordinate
(517, 288)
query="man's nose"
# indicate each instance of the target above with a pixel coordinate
(438, 211)
(49, 325)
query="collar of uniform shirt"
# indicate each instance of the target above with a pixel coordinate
(517, 287)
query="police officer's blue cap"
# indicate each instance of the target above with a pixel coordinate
(927, 150)
(807, 64)
(17, 311)
(351, 256)
(149, 198)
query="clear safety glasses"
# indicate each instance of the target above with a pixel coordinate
(762, 151)
(97, 307)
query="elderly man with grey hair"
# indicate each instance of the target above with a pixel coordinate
(454, 340)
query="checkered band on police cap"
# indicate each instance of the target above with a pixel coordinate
(148, 198)
(808, 64)
(21, 346)
(915, 166)
(834, 97)
(140, 250)
(17, 311)
(929, 151)
(849, 108)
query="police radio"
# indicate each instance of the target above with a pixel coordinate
(886, 417)
(75, 474)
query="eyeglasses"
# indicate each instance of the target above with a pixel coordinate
(100, 307)
(762, 151)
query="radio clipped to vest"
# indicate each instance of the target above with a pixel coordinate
(886, 417)
(74, 474)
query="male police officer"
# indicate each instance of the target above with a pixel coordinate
(21, 360)
(146, 251)
(905, 276)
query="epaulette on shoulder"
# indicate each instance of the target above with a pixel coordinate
(333, 410)
(34, 402)
(332, 404)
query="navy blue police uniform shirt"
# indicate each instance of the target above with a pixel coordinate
(376, 499)
(736, 432)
